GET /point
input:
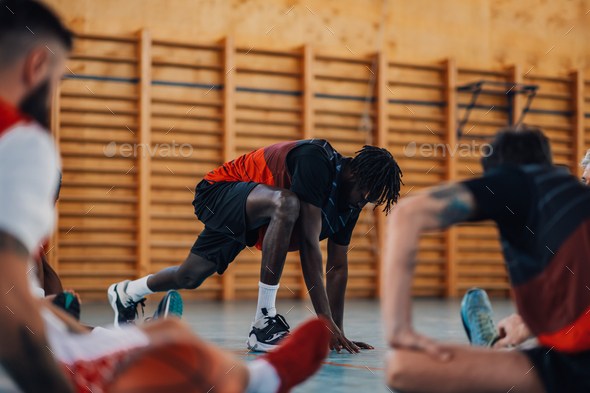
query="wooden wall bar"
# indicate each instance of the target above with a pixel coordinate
(380, 139)
(145, 138)
(450, 92)
(229, 140)
(123, 215)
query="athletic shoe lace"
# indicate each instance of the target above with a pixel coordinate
(130, 311)
(485, 328)
(278, 324)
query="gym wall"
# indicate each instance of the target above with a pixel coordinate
(137, 78)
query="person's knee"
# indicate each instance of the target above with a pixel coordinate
(192, 278)
(286, 206)
(190, 282)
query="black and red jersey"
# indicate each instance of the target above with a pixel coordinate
(543, 214)
(268, 165)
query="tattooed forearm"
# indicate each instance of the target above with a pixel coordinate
(33, 368)
(458, 204)
(9, 243)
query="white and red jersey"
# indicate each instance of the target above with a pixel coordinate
(29, 175)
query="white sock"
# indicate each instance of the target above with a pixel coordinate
(267, 295)
(263, 377)
(138, 289)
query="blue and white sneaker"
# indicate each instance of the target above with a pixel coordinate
(478, 318)
(170, 306)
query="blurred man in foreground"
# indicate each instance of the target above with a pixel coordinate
(477, 314)
(162, 357)
(543, 214)
(30, 67)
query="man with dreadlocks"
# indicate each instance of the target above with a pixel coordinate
(284, 197)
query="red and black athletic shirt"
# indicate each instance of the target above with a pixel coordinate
(543, 215)
(310, 168)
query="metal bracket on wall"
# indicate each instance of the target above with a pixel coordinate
(497, 88)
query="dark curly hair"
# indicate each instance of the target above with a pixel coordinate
(376, 170)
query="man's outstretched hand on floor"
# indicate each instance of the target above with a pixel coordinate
(339, 341)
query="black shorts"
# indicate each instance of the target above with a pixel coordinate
(221, 207)
(561, 372)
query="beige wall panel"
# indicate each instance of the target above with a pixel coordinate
(268, 116)
(105, 48)
(267, 100)
(477, 34)
(110, 69)
(278, 64)
(186, 75)
(160, 92)
(196, 57)
(271, 82)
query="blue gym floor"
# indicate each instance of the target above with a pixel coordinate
(226, 325)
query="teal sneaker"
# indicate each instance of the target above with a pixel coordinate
(69, 303)
(478, 318)
(170, 306)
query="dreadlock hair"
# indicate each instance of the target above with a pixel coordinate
(376, 170)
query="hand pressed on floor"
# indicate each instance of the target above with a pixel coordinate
(338, 341)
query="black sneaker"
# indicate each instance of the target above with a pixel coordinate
(69, 303)
(123, 305)
(267, 332)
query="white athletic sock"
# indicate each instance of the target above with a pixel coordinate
(267, 295)
(138, 289)
(263, 377)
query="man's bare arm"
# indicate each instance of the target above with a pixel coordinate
(23, 345)
(336, 281)
(435, 208)
(309, 227)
